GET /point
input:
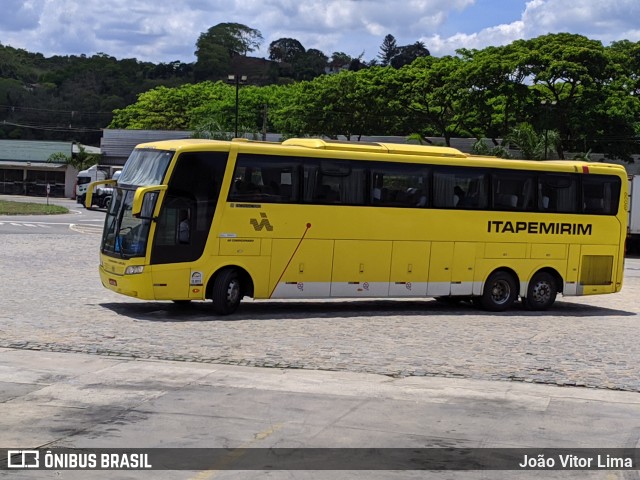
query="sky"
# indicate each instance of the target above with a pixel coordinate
(165, 31)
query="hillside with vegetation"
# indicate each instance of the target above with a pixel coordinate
(555, 93)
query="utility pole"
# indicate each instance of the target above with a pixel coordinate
(237, 79)
(264, 122)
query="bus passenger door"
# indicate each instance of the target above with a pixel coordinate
(440, 269)
(301, 273)
(173, 240)
(178, 263)
(361, 268)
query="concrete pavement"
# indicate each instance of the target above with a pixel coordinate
(84, 401)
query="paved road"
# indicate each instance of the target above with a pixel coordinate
(58, 304)
(79, 220)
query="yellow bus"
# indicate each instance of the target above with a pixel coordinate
(312, 219)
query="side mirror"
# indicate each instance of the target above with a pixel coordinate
(88, 199)
(143, 196)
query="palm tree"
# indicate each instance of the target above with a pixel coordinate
(533, 145)
(79, 161)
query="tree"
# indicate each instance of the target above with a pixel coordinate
(80, 161)
(433, 95)
(339, 61)
(533, 145)
(571, 70)
(388, 50)
(408, 54)
(310, 64)
(285, 50)
(236, 38)
(217, 45)
(498, 93)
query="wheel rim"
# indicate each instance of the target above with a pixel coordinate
(233, 292)
(500, 292)
(541, 292)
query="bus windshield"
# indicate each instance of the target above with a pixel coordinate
(145, 167)
(124, 235)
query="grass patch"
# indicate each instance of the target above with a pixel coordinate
(22, 208)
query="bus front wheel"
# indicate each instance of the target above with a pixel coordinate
(226, 292)
(541, 292)
(500, 291)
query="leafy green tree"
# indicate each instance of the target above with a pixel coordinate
(310, 64)
(498, 94)
(165, 108)
(236, 38)
(285, 50)
(433, 96)
(216, 47)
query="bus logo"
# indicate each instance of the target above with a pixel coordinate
(23, 458)
(264, 223)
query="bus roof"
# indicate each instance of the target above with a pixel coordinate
(435, 152)
(316, 143)
(398, 148)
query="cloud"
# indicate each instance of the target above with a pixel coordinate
(499, 35)
(606, 21)
(165, 31)
(18, 15)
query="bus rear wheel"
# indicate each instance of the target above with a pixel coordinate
(541, 292)
(226, 292)
(500, 291)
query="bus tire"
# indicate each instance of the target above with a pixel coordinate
(226, 292)
(541, 292)
(500, 292)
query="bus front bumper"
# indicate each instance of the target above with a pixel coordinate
(138, 285)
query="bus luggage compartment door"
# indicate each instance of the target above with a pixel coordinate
(409, 269)
(301, 273)
(361, 268)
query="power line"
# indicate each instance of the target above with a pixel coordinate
(13, 109)
(52, 128)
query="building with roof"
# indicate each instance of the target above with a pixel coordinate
(25, 169)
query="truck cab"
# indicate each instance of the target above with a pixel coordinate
(102, 195)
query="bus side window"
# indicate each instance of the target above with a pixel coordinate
(399, 185)
(512, 190)
(265, 179)
(600, 194)
(460, 188)
(558, 193)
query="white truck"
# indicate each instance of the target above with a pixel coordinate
(102, 195)
(633, 233)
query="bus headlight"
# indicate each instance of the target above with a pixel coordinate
(134, 270)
